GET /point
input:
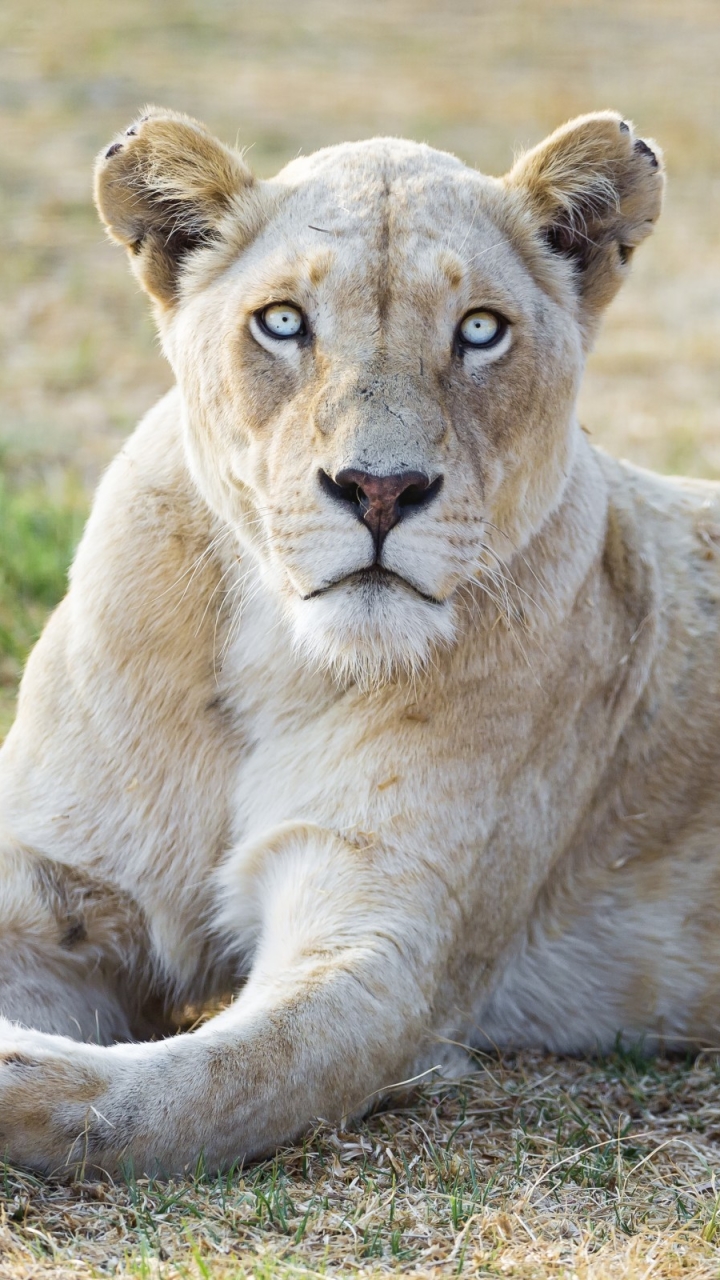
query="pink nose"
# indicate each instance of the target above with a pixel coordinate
(381, 501)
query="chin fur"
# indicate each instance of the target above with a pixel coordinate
(371, 634)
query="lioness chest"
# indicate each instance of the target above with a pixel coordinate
(517, 771)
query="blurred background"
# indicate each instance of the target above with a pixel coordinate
(80, 362)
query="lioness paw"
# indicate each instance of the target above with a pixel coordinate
(50, 1099)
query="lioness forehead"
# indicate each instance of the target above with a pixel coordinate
(408, 185)
(389, 218)
(374, 159)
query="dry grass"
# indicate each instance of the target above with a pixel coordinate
(535, 1167)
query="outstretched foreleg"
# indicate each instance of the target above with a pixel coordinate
(333, 1013)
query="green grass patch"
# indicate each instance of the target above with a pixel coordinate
(40, 525)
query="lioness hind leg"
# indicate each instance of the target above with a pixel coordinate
(53, 977)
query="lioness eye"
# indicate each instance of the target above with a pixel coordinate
(283, 320)
(481, 328)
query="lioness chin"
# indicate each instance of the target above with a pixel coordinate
(378, 696)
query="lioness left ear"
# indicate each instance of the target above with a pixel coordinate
(595, 192)
(164, 188)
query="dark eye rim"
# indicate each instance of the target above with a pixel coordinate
(302, 332)
(462, 343)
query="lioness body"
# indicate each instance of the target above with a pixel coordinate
(506, 836)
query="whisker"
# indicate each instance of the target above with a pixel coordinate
(519, 553)
(505, 570)
(194, 568)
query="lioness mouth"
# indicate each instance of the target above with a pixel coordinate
(376, 573)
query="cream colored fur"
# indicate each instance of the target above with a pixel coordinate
(470, 801)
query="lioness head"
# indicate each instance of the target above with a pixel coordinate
(379, 353)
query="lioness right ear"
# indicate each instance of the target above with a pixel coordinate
(594, 190)
(163, 189)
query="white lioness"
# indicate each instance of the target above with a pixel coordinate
(378, 695)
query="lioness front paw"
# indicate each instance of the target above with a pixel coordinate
(51, 1095)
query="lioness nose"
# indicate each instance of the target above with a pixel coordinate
(381, 501)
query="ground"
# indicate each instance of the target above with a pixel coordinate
(534, 1167)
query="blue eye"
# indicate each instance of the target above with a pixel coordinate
(282, 320)
(481, 328)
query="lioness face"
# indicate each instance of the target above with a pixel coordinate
(379, 353)
(380, 396)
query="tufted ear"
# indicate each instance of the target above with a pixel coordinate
(163, 189)
(594, 191)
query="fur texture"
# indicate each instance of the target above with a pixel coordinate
(463, 794)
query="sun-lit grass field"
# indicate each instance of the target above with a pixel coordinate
(535, 1167)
